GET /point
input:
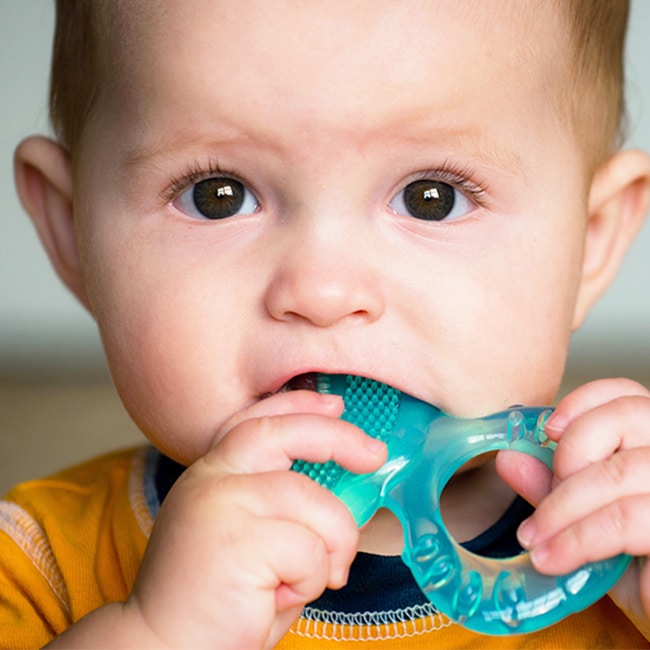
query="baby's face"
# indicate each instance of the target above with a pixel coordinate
(378, 188)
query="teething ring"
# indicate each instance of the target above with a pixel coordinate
(425, 448)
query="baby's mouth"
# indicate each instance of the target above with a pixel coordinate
(304, 381)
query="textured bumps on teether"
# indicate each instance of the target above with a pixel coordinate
(370, 405)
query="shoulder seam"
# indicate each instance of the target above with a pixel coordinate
(27, 534)
(141, 461)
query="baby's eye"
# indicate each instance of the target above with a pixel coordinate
(431, 200)
(217, 198)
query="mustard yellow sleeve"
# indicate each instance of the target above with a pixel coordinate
(68, 545)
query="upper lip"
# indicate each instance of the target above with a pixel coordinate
(282, 362)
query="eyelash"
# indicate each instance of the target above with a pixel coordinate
(195, 173)
(457, 177)
(448, 172)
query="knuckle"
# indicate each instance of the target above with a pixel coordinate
(563, 459)
(601, 535)
(262, 427)
(314, 497)
(622, 388)
(615, 470)
(627, 406)
(616, 520)
(314, 551)
(249, 445)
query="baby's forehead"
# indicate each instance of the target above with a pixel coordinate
(123, 20)
(144, 43)
(136, 33)
(152, 40)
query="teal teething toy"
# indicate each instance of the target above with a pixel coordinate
(425, 448)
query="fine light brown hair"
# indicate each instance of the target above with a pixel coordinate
(595, 105)
(598, 30)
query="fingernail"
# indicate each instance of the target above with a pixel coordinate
(335, 402)
(539, 555)
(330, 398)
(556, 422)
(340, 579)
(375, 446)
(526, 532)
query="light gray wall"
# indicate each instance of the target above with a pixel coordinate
(41, 324)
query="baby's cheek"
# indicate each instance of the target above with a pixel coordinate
(161, 401)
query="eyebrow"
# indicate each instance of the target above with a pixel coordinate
(182, 140)
(488, 151)
(492, 153)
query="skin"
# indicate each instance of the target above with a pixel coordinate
(204, 321)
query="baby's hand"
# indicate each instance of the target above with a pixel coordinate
(599, 500)
(241, 544)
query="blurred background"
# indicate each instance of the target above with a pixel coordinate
(57, 405)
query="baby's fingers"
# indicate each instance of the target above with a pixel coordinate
(279, 496)
(273, 442)
(266, 543)
(594, 394)
(526, 475)
(621, 424)
(600, 502)
(618, 527)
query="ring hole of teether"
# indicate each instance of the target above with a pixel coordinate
(475, 499)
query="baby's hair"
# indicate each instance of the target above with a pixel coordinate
(86, 30)
(598, 29)
(75, 70)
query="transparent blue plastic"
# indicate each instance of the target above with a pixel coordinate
(425, 448)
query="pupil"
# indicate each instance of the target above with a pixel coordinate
(429, 200)
(218, 198)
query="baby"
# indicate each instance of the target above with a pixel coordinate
(430, 194)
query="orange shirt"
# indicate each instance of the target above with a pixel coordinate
(73, 542)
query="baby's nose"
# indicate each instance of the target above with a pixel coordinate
(324, 292)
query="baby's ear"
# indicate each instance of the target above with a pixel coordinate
(618, 203)
(43, 178)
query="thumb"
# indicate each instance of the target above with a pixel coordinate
(526, 475)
